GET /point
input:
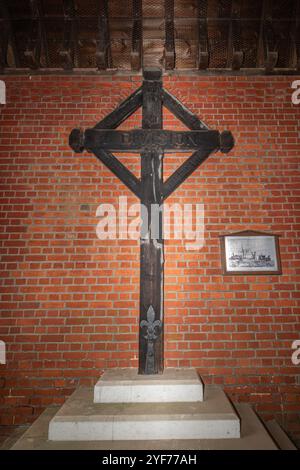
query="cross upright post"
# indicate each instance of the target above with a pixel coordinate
(151, 142)
(151, 344)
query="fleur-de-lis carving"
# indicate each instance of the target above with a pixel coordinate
(153, 329)
(151, 324)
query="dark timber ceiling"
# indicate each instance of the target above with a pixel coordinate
(206, 35)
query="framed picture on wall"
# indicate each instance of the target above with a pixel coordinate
(250, 252)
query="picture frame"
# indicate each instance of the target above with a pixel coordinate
(250, 253)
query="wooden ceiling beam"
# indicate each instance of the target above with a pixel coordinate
(4, 39)
(67, 52)
(103, 52)
(137, 35)
(33, 47)
(37, 39)
(271, 54)
(38, 5)
(160, 37)
(8, 36)
(295, 37)
(267, 53)
(203, 50)
(170, 35)
(235, 54)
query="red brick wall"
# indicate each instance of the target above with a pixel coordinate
(70, 301)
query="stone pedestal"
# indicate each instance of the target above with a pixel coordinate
(213, 423)
(126, 386)
(80, 419)
(129, 407)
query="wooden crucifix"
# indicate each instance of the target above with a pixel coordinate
(151, 142)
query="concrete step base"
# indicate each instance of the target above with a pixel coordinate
(80, 419)
(126, 386)
(253, 437)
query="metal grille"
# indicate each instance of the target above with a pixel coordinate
(22, 31)
(52, 7)
(87, 8)
(153, 37)
(120, 9)
(283, 9)
(126, 31)
(120, 37)
(153, 9)
(221, 9)
(218, 43)
(186, 33)
(54, 33)
(86, 50)
(19, 9)
(186, 54)
(186, 9)
(283, 39)
(153, 52)
(251, 10)
(249, 41)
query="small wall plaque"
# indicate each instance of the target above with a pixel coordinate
(250, 252)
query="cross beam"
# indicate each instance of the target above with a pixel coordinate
(151, 142)
(136, 140)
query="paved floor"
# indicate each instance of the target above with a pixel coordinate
(10, 434)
